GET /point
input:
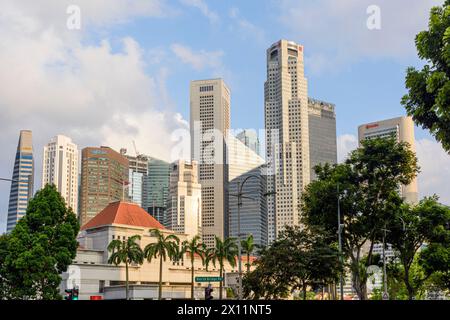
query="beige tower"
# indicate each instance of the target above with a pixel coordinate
(287, 134)
(184, 212)
(210, 122)
(403, 129)
(60, 167)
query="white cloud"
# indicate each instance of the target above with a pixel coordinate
(434, 165)
(204, 9)
(245, 28)
(52, 82)
(345, 144)
(199, 60)
(338, 32)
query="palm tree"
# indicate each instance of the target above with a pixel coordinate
(223, 250)
(193, 247)
(165, 246)
(126, 252)
(248, 245)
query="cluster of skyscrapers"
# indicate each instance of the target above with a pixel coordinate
(225, 174)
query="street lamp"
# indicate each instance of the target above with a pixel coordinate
(340, 227)
(385, 294)
(239, 196)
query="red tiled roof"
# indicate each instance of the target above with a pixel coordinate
(123, 213)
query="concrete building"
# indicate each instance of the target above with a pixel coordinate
(184, 210)
(60, 168)
(104, 176)
(402, 128)
(137, 177)
(245, 164)
(23, 180)
(210, 123)
(250, 139)
(322, 134)
(157, 189)
(94, 276)
(287, 134)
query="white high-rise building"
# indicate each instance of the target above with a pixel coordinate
(184, 212)
(210, 123)
(60, 167)
(287, 134)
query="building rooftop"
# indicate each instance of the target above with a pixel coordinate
(123, 213)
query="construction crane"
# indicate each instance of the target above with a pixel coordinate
(135, 149)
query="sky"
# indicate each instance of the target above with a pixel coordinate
(124, 74)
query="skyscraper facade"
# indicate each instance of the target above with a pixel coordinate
(157, 184)
(210, 123)
(104, 175)
(60, 168)
(322, 134)
(137, 177)
(250, 139)
(184, 209)
(402, 129)
(23, 180)
(245, 165)
(287, 134)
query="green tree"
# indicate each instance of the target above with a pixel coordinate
(40, 247)
(410, 228)
(248, 246)
(4, 282)
(128, 252)
(192, 248)
(428, 99)
(164, 247)
(225, 250)
(368, 191)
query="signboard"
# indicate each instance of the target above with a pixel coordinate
(208, 279)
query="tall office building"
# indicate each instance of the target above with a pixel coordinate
(23, 180)
(137, 177)
(322, 134)
(287, 134)
(250, 139)
(184, 209)
(104, 175)
(245, 165)
(210, 123)
(402, 128)
(60, 168)
(157, 184)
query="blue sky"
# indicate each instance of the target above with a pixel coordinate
(125, 74)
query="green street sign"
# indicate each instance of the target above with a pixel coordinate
(208, 279)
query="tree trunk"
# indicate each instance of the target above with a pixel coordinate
(248, 262)
(221, 283)
(304, 290)
(126, 280)
(192, 276)
(160, 277)
(409, 288)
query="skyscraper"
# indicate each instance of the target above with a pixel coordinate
(287, 134)
(184, 209)
(60, 167)
(402, 128)
(157, 184)
(23, 180)
(250, 139)
(210, 123)
(104, 175)
(245, 165)
(322, 134)
(137, 177)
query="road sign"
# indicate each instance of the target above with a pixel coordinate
(208, 279)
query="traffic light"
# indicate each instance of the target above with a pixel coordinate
(208, 293)
(75, 293)
(69, 294)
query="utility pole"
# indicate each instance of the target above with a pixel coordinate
(340, 241)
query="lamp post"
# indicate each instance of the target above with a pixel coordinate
(239, 196)
(385, 293)
(340, 227)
